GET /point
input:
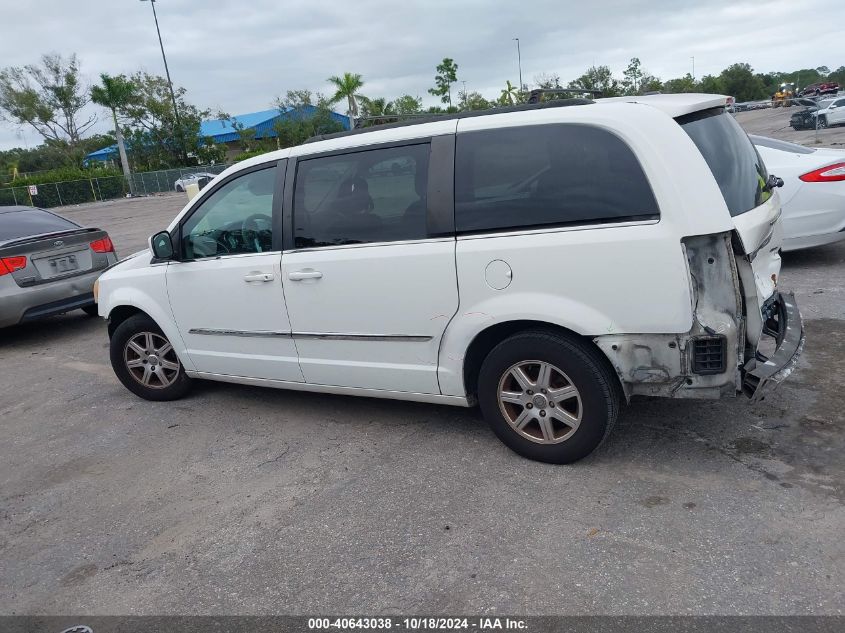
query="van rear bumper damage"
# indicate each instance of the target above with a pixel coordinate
(761, 374)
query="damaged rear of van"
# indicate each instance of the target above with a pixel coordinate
(746, 334)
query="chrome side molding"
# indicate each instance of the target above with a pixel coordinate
(325, 336)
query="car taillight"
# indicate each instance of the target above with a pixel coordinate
(103, 245)
(11, 264)
(831, 173)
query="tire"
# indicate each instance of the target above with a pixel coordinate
(822, 122)
(571, 363)
(139, 364)
(180, 189)
(91, 310)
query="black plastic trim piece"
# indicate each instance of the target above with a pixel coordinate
(58, 307)
(440, 221)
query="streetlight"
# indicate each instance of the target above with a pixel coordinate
(169, 83)
(693, 68)
(519, 61)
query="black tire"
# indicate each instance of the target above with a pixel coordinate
(91, 310)
(582, 367)
(180, 189)
(179, 383)
(822, 122)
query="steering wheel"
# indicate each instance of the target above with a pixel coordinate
(252, 223)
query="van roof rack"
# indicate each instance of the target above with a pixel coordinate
(402, 120)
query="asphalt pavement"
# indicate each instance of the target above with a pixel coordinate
(242, 500)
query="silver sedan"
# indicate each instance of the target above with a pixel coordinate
(48, 264)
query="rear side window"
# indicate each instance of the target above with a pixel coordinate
(541, 175)
(376, 195)
(18, 224)
(733, 159)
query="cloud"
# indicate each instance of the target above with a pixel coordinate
(239, 55)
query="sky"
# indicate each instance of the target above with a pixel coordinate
(237, 56)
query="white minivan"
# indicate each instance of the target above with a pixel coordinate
(544, 261)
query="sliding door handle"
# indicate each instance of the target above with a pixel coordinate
(257, 276)
(301, 275)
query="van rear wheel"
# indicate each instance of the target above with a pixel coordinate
(548, 397)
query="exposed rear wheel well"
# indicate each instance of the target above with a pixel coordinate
(120, 314)
(487, 339)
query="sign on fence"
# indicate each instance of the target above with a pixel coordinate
(33, 190)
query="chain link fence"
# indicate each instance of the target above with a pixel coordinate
(58, 194)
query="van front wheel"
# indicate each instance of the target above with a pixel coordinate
(548, 397)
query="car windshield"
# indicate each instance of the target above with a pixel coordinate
(15, 224)
(825, 102)
(784, 146)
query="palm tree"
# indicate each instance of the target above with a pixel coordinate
(376, 109)
(508, 94)
(116, 93)
(347, 87)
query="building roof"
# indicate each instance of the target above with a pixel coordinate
(223, 130)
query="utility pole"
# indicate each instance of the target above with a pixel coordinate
(693, 68)
(170, 84)
(519, 61)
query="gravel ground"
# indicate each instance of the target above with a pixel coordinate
(256, 501)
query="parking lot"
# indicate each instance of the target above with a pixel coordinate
(255, 501)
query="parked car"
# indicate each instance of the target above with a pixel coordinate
(813, 194)
(821, 88)
(200, 178)
(831, 112)
(48, 264)
(804, 119)
(546, 262)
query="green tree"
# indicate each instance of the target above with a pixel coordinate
(378, 110)
(680, 84)
(739, 81)
(114, 94)
(154, 134)
(447, 74)
(838, 75)
(547, 81)
(597, 78)
(711, 85)
(633, 76)
(650, 83)
(347, 86)
(49, 98)
(475, 101)
(508, 95)
(305, 115)
(407, 104)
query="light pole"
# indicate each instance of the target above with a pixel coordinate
(519, 61)
(693, 68)
(169, 83)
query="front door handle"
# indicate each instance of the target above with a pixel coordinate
(305, 274)
(256, 276)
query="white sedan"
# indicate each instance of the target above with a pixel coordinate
(189, 179)
(813, 192)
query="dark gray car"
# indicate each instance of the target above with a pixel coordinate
(48, 264)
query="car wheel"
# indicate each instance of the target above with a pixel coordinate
(822, 122)
(548, 397)
(91, 310)
(145, 361)
(180, 189)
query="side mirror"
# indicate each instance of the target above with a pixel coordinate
(161, 245)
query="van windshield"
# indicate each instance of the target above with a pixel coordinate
(733, 159)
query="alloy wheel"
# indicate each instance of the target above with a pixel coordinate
(151, 360)
(540, 402)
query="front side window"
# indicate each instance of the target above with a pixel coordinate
(237, 218)
(375, 195)
(542, 175)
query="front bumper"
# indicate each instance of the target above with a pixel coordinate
(762, 374)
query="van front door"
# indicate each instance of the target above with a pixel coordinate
(226, 292)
